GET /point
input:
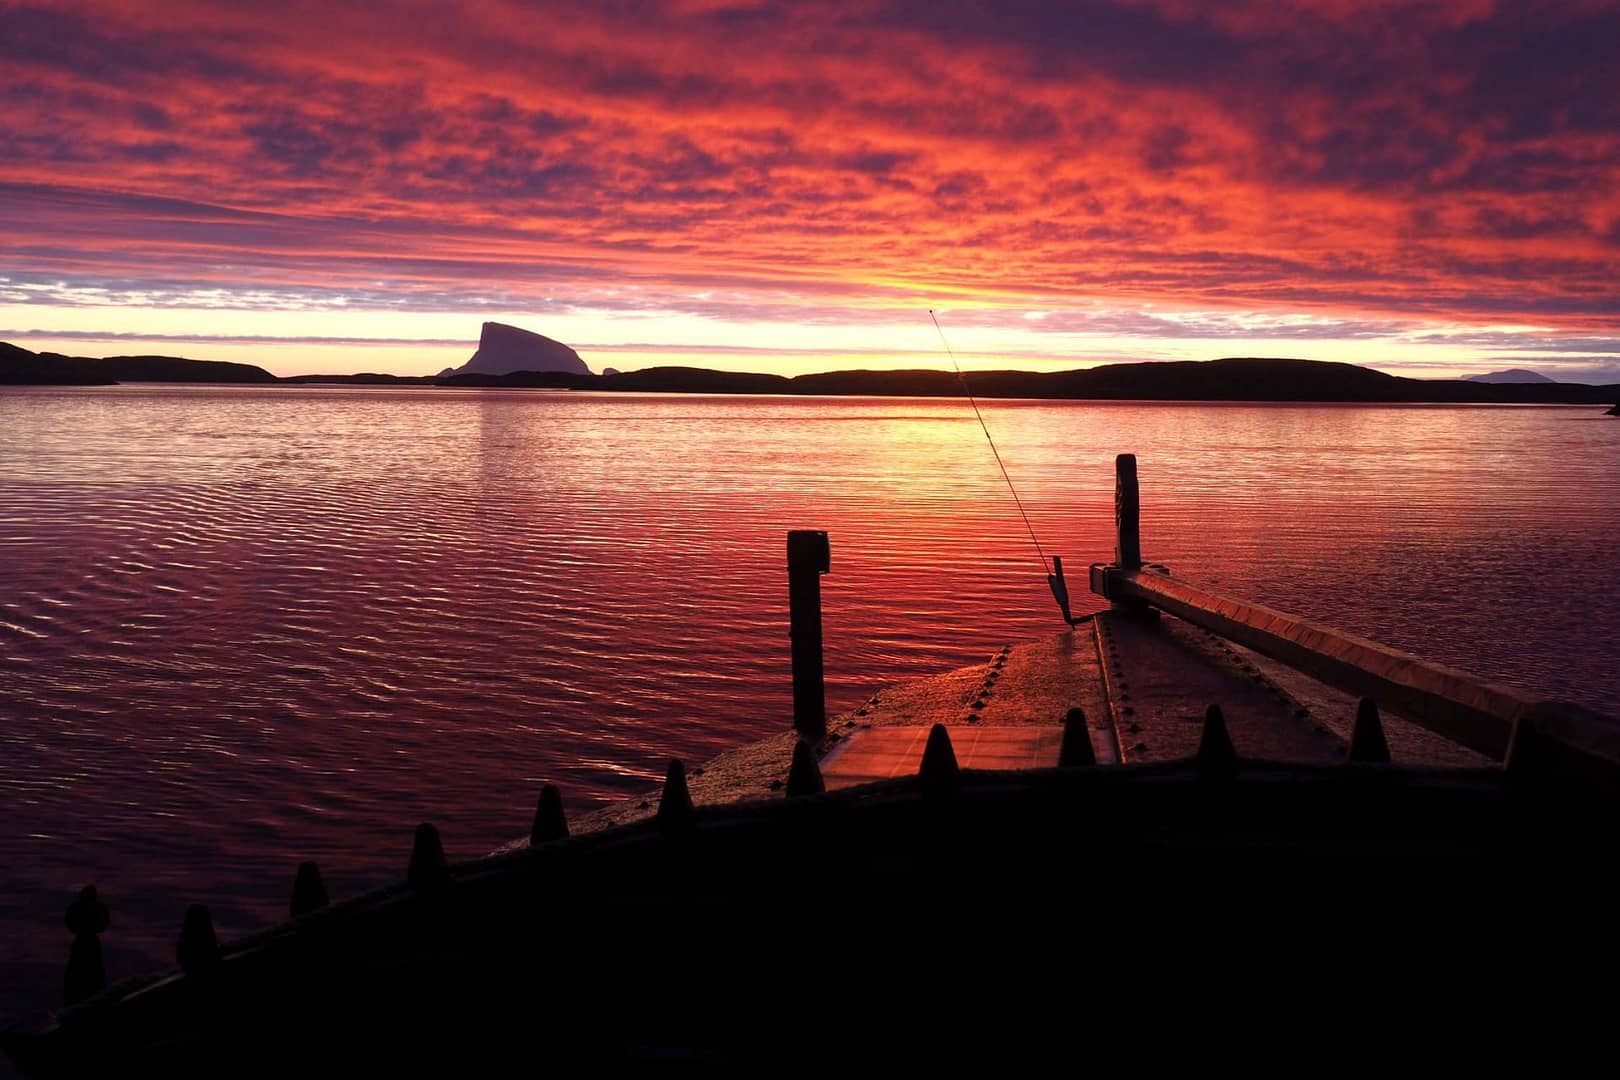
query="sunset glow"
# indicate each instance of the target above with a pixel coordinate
(1424, 188)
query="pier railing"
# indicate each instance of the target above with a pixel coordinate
(1476, 713)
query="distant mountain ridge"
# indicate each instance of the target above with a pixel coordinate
(1229, 379)
(19, 366)
(1510, 375)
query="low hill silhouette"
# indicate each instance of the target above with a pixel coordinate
(1229, 379)
(19, 366)
(1511, 375)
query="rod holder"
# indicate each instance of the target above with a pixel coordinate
(808, 557)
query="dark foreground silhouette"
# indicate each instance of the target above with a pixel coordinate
(951, 916)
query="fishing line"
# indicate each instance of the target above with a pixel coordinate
(971, 401)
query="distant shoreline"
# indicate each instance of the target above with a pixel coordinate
(1232, 379)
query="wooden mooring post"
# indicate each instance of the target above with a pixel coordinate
(808, 556)
(1127, 513)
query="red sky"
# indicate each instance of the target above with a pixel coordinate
(1422, 187)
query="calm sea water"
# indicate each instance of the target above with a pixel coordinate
(244, 627)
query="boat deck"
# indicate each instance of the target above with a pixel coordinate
(890, 752)
(1144, 684)
(729, 857)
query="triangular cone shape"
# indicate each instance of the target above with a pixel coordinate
(675, 809)
(309, 891)
(199, 947)
(1367, 741)
(428, 866)
(1215, 749)
(550, 823)
(804, 776)
(1526, 752)
(1539, 752)
(1076, 749)
(87, 914)
(939, 769)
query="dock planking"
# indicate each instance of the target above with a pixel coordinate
(1485, 717)
(1162, 679)
(890, 752)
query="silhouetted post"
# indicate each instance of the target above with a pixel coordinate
(1367, 742)
(804, 775)
(809, 556)
(309, 891)
(1127, 514)
(550, 823)
(676, 813)
(428, 867)
(1217, 758)
(939, 772)
(1076, 751)
(198, 950)
(86, 975)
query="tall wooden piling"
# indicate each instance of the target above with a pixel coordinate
(809, 556)
(1127, 514)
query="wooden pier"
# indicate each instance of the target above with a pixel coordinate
(1181, 786)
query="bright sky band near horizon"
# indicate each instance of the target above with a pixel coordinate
(1428, 188)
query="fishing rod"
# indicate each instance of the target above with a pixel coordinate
(1054, 570)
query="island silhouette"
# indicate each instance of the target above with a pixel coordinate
(508, 357)
(1511, 375)
(505, 349)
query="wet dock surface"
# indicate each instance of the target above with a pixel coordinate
(1162, 675)
(1143, 683)
(889, 752)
